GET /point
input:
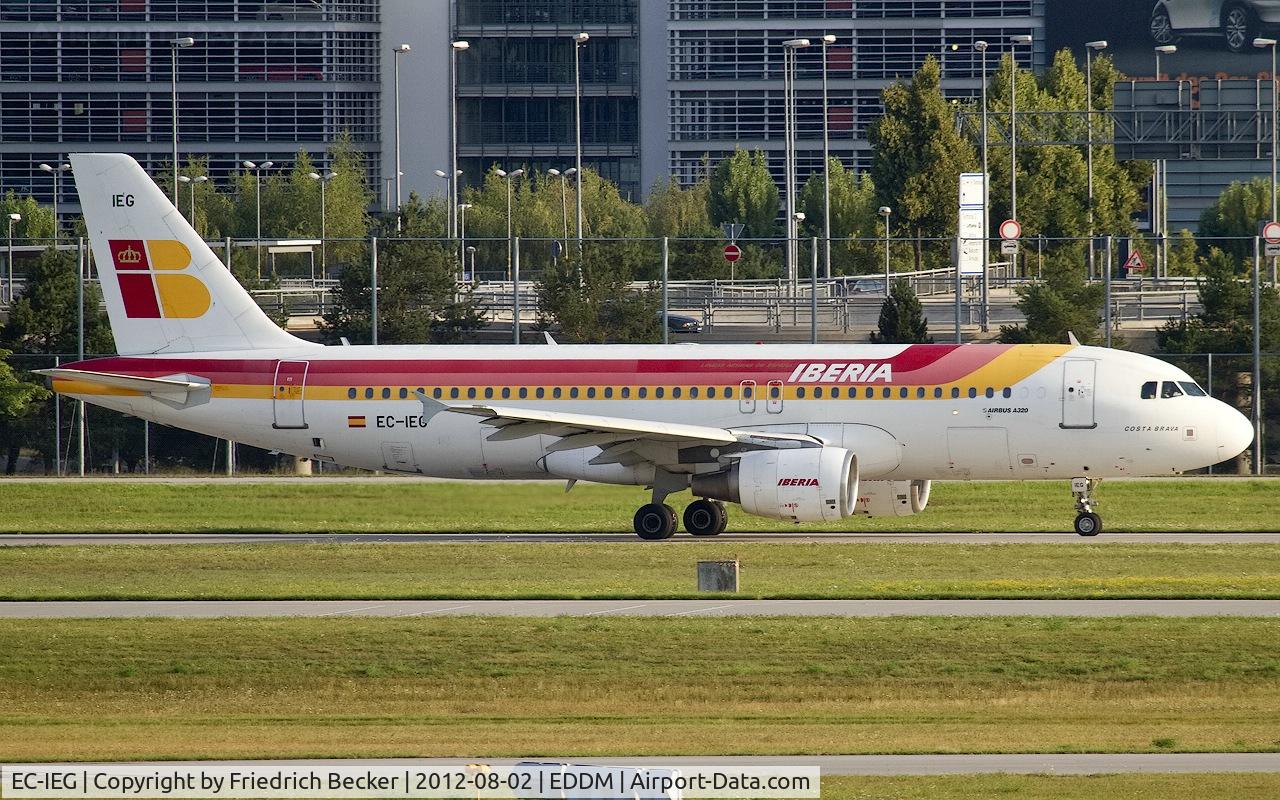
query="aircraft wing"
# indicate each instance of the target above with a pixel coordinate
(623, 439)
(173, 387)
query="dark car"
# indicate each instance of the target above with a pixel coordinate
(678, 323)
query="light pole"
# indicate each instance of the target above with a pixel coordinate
(56, 172)
(579, 41)
(176, 44)
(191, 182)
(257, 170)
(981, 47)
(1165, 49)
(1013, 123)
(885, 211)
(789, 48)
(511, 176)
(454, 48)
(462, 236)
(564, 203)
(1090, 49)
(324, 180)
(398, 51)
(1261, 42)
(9, 260)
(826, 160)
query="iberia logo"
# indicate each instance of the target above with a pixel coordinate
(148, 284)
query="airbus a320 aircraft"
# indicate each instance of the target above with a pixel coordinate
(808, 433)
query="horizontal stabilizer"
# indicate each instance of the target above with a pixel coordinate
(169, 388)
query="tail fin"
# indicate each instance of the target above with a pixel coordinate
(165, 290)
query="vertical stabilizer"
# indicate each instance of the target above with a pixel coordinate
(165, 290)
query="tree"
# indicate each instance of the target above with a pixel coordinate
(45, 319)
(918, 157)
(857, 244)
(1182, 255)
(1233, 219)
(1060, 304)
(19, 401)
(742, 190)
(902, 319)
(597, 304)
(36, 222)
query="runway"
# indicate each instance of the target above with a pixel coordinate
(1185, 537)
(193, 609)
(949, 764)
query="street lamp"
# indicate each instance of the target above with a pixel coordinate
(57, 190)
(1013, 122)
(324, 180)
(192, 183)
(981, 47)
(789, 48)
(579, 41)
(399, 51)
(1261, 42)
(176, 44)
(1165, 49)
(1090, 49)
(454, 49)
(510, 177)
(826, 158)
(462, 235)
(257, 170)
(564, 203)
(885, 211)
(9, 261)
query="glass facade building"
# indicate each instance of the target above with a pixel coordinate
(263, 80)
(516, 94)
(724, 78)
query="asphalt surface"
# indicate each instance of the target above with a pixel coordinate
(187, 609)
(951, 764)
(53, 539)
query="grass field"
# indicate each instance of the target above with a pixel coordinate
(1046, 787)
(639, 570)
(330, 506)
(133, 689)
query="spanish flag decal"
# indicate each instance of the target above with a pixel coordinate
(355, 422)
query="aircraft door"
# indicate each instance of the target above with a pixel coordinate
(773, 403)
(1078, 393)
(287, 394)
(747, 397)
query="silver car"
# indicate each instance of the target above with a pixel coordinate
(1238, 21)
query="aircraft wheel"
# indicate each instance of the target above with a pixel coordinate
(655, 521)
(705, 518)
(1088, 524)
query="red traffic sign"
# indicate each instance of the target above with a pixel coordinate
(1010, 229)
(732, 253)
(1271, 232)
(1134, 262)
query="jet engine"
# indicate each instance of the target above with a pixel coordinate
(892, 498)
(814, 484)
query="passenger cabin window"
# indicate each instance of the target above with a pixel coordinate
(1170, 389)
(1192, 388)
(1149, 390)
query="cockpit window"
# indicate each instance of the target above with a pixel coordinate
(1192, 388)
(1170, 389)
(1149, 390)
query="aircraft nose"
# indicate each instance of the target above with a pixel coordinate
(1235, 433)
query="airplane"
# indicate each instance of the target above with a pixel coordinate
(805, 433)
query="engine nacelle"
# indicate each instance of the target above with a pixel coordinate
(813, 484)
(893, 498)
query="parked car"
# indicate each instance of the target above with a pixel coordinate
(863, 285)
(678, 323)
(1237, 21)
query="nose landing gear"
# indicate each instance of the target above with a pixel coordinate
(1088, 523)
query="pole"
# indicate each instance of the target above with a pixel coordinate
(174, 48)
(57, 189)
(813, 292)
(9, 261)
(1274, 127)
(509, 245)
(959, 291)
(452, 186)
(1013, 135)
(1106, 282)
(788, 92)
(666, 296)
(577, 124)
(257, 203)
(373, 290)
(1088, 122)
(515, 293)
(57, 426)
(231, 458)
(564, 209)
(146, 447)
(886, 256)
(396, 85)
(80, 339)
(323, 229)
(826, 166)
(193, 204)
(1257, 354)
(986, 219)
(462, 241)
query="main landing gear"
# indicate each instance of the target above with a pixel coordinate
(1088, 523)
(702, 517)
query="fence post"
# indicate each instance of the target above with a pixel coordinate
(959, 292)
(1257, 356)
(373, 289)
(666, 292)
(1208, 370)
(80, 270)
(515, 288)
(57, 426)
(1106, 319)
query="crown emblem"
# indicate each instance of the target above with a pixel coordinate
(129, 256)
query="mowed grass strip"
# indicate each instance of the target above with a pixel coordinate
(332, 506)
(464, 687)
(640, 570)
(1054, 787)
